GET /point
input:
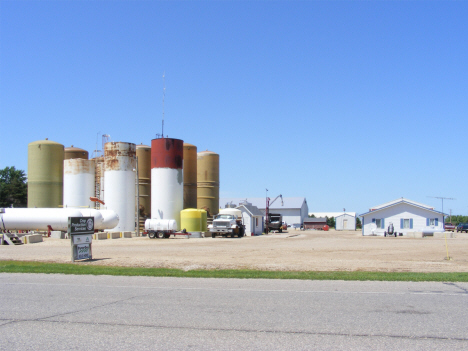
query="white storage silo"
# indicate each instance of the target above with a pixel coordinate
(167, 179)
(78, 182)
(119, 183)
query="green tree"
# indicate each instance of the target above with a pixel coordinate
(312, 216)
(331, 222)
(358, 223)
(13, 188)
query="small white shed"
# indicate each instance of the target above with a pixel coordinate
(405, 215)
(252, 218)
(345, 221)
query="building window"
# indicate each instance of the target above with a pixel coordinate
(432, 222)
(406, 223)
(378, 222)
(256, 221)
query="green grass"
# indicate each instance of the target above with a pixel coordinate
(84, 268)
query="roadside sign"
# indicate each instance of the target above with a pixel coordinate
(80, 231)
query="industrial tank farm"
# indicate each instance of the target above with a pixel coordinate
(172, 177)
(45, 174)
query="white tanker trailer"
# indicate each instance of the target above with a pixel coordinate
(53, 218)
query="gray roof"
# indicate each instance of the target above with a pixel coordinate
(254, 211)
(314, 220)
(260, 202)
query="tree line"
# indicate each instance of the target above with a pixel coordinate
(13, 188)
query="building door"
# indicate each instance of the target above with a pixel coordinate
(345, 224)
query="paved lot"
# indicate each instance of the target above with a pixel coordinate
(57, 312)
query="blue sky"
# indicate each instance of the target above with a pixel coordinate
(347, 103)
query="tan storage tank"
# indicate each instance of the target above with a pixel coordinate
(45, 174)
(143, 153)
(75, 152)
(190, 176)
(208, 181)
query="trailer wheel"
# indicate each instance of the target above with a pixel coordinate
(281, 230)
(151, 235)
(385, 234)
(395, 234)
(167, 235)
(159, 235)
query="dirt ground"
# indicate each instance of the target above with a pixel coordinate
(294, 250)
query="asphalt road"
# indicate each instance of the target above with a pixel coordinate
(65, 312)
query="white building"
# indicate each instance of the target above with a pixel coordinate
(293, 209)
(405, 215)
(252, 218)
(345, 221)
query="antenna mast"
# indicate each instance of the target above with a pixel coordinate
(164, 96)
(442, 198)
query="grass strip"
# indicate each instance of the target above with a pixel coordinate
(83, 268)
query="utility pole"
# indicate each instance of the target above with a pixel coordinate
(443, 198)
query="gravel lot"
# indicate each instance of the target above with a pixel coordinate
(294, 250)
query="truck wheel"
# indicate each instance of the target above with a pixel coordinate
(167, 235)
(151, 235)
(281, 230)
(159, 235)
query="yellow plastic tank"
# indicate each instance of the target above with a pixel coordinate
(45, 174)
(190, 176)
(191, 219)
(143, 153)
(204, 221)
(75, 152)
(208, 181)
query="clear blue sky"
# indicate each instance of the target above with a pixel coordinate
(347, 103)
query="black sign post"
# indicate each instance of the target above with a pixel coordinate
(80, 231)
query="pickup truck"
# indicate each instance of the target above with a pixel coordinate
(449, 227)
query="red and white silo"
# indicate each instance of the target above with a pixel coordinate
(167, 179)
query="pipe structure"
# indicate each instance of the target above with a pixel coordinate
(56, 218)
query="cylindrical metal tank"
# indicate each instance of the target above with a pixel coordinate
(167, 179)
(143, 153)
(45, 174)
(190, 176)
(208, 181)
(191, 219)
(204, 221)
(119, 183)
(38, 218)
(57, 218)
(78, 182)
(75, 152)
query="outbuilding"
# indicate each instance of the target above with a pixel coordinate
(293, 209)
(405, 215)
(252, 218)
(345, 221)
(314, 223)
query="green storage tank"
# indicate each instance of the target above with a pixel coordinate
(45, 174)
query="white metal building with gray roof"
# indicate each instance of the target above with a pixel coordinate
(252, 218)
(293, 209)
